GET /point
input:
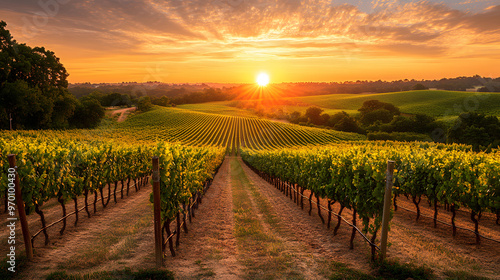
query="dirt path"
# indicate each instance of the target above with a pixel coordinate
(209, 248)
(306, 237)
(246, 229)
(123, 113)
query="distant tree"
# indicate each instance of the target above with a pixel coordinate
(294, 117)
(88, 114)
(382, 115)
(372, 105)
(475, 129)
(314, 115)
(162, 101)
(348, 124)
(144, 104)
(483, 89)
(419, 87)
(402, 124)
(324, 118)
(337, 117)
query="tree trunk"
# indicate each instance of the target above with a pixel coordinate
(319, 209)
(75, 199)
(374, 249)
(63, 206)
(170, 242)
(453, 214)
(353, 234)
(339, 219)
(114, 191)
(310, 203)
(109, 193)
(476, 225)
(417, 202)
(86, 193)
(42, 219)
(95, 201)
(302, 198)
(121, 196)
(128, 185)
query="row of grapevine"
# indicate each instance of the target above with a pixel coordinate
(352, 174)
(59, 167)
(183, 170)
(203, 129)
(184, 174)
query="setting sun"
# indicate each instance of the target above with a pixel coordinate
(263, 79)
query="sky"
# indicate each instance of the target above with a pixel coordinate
(232, 41)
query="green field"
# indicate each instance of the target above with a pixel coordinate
(437, 103)
(444, 105)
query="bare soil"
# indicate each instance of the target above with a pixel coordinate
(123, 113)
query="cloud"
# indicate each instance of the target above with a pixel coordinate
(485, 22)
(196, 30)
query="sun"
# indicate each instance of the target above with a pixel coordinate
(263, 79)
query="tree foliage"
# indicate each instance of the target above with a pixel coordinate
(33, 86)
(144, 104)
(314, 115)
(88, 113)
(476, 130)
(419, 87)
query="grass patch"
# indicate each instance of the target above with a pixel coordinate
(463, 275)
(151, 274)
(115, 243)
(21, 261)
(384, 270)
(204, 271)
(395, 270)
(262, 253)
(340, 271)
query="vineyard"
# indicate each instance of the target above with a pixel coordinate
(353, 175)
(204, 129)
(80, 166)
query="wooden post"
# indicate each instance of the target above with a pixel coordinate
(21, 210)
(157, 214)
(387, 208)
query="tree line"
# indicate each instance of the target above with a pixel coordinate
(384, 121)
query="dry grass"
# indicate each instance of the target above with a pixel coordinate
(260, 251)
(115, 243)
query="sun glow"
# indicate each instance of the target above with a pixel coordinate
(263, 79)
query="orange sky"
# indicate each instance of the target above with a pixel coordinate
(234, 40)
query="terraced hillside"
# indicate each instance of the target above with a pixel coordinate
(205, 129)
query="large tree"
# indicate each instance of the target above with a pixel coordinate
(476, 130)
(314, 115)
(33, 86)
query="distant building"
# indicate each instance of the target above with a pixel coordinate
(474, 89)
